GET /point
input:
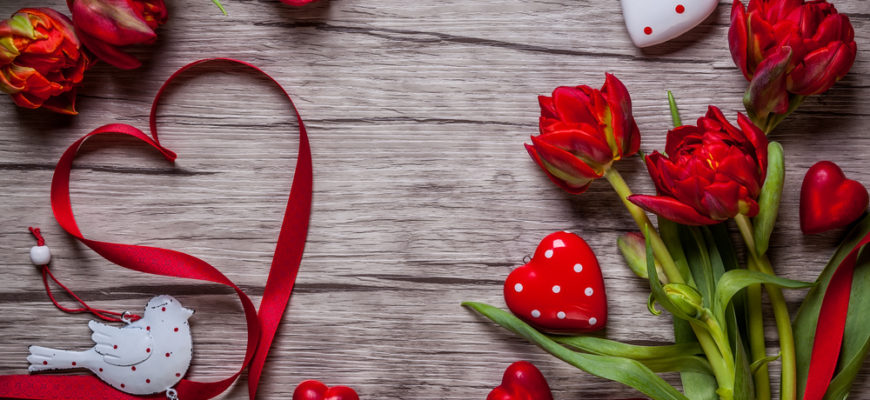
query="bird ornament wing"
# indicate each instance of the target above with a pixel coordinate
(121, 346)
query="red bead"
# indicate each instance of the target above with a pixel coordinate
(163, 309)
(178, 374)
(680, 9)
(101, 370)
(74, 363)
(176, 329)
(122, 385)
(167, 354)
(148, 381)
(45, 363)
(116, 346)
(647, 30)
(148, 350)
(147, 328)
(133, 367)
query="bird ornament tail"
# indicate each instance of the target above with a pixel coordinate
(44, 359)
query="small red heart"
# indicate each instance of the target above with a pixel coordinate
(561, 289)
(314, 390)
(522, 381)
(829, 200)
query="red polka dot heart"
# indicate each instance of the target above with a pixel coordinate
(560, 290)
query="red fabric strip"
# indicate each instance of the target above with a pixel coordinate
(831, 326)
(261, 327)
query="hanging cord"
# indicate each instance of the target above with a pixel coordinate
(105, 315)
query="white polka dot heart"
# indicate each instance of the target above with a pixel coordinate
(561, 289)
(651, 22)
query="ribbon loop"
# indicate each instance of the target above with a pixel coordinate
(261, 326)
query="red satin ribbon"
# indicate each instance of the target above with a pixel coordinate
(261, 326)
(831, 326)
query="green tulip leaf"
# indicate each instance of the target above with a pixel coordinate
(807, 317)
(696, 385)
(736, 280)
(619, 369)
(757, 364)
(768, 200)
(675, 112)
(670, 233)
(219, 5)
(605, 347)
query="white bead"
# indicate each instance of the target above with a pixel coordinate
(40, 255)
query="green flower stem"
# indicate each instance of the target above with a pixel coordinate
(724, 374)
(658, 245)
(721, 370)
(757, 346)
(780, 312)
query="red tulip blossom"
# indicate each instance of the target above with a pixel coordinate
(712, 171)
(583, 131)
(106, 25)
(789, 47)
(41, 60)
(297, 2)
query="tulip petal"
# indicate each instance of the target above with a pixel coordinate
(573, 104)
(573, 189)
(738, 38)
(721, 199)
(621, 120)
(581, 143)
(821, 69)
(548, 109)
(681, 136)
(109, 53)
(563, 164)
(758, 139)
(672, 209)
(115, 22)
(767, 90)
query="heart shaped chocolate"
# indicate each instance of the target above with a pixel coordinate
(561, 289)
(314, 390)
(651, 22)
(522, 381)
(829, 200)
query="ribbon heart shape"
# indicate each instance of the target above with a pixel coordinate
(315, 390)
(829, 200)
(521, 381)
(560, 290)
(261, 324)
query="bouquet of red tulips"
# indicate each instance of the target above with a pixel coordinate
(709, 173)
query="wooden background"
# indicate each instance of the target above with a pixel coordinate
(424, 195)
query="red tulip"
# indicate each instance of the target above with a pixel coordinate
(712, 171)
(583, 131)
(789, 47)
(41, 60)
(106, 25)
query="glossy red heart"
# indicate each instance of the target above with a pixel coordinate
(314, 390)
(561, 289)
(829, 200)
(522, 381)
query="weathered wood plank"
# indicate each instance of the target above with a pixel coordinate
(424, 196)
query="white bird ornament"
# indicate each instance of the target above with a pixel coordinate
(145, 357)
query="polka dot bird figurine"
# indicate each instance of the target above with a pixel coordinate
(145, 357)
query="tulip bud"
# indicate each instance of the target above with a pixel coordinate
(106, 25)
(686, 298)
(583, 131)
(41, 60)
(632, 245)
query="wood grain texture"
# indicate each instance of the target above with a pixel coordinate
(424, 196)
